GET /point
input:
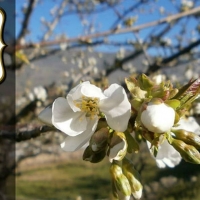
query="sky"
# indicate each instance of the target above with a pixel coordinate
(70, 25)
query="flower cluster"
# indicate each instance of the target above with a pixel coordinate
(112, 123)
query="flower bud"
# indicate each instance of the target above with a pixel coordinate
(118, 147)
(187, 137)
(120, 181)
(158, 117)
(188, 152)
(99, 140)
(92, 156)
(133, 178)
(144, 82)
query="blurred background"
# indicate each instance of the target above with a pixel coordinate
(59, 43)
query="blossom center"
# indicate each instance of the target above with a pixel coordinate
(89, 105)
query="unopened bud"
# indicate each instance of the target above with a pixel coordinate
(188, 152)
(93, 157)
(144, 82)
(120, 181)
(133, 177)
(118, 147)
(187, 137)
(99, 140)
(158, 117)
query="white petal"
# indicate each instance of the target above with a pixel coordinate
(75, 94)
(46, 115)
(189, 124)
(64, 119)
(92, 91)
(167, 155)
(116, 152)
(76, 142)
(158, 118)
(137, 194)
(83, 89)
(116, 107)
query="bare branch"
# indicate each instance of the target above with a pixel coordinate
(55, 21)
(25, 23)
(156, 66)
(25, 135)
(113, 32)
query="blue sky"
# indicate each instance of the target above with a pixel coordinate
(71, 25)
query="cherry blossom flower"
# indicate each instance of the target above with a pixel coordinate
(167, 155)
(78, 114)
(158, 117)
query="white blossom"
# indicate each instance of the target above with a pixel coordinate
(167, 155)
(158, 117)
(78, 114)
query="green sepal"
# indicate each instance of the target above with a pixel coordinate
(133, 146)
(174, 103)
(145, 83)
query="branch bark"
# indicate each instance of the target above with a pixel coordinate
(113, 31)
(25, 22)
(19, 136)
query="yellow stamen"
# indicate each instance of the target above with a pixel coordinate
(89, 105)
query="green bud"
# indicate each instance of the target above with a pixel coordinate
(120, 180)
(188, 152)
(136, 103)
(145, 83)
(173, 93)
(99, 140)
(92, 156)
(187, 137)
(174, 103)
(134, 178)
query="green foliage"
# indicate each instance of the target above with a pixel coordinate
(64, 181)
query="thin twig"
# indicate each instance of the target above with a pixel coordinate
(26, 20)
(112, 32)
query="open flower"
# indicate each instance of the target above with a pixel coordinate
(167, 155)
(158, 117)
(78, 114)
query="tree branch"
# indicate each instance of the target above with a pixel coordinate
(25, 23)
(19, 136)
(113, 31)
(156, 66)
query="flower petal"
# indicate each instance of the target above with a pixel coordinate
(64, 119)
(75, 94)
(46, 115)
(158, 118)
(116, 107)
(188, 124)
(74, 143)
(167, 155)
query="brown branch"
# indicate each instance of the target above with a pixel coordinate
(113, 32)
(25, 23)
(156, 66)
(25, 135)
